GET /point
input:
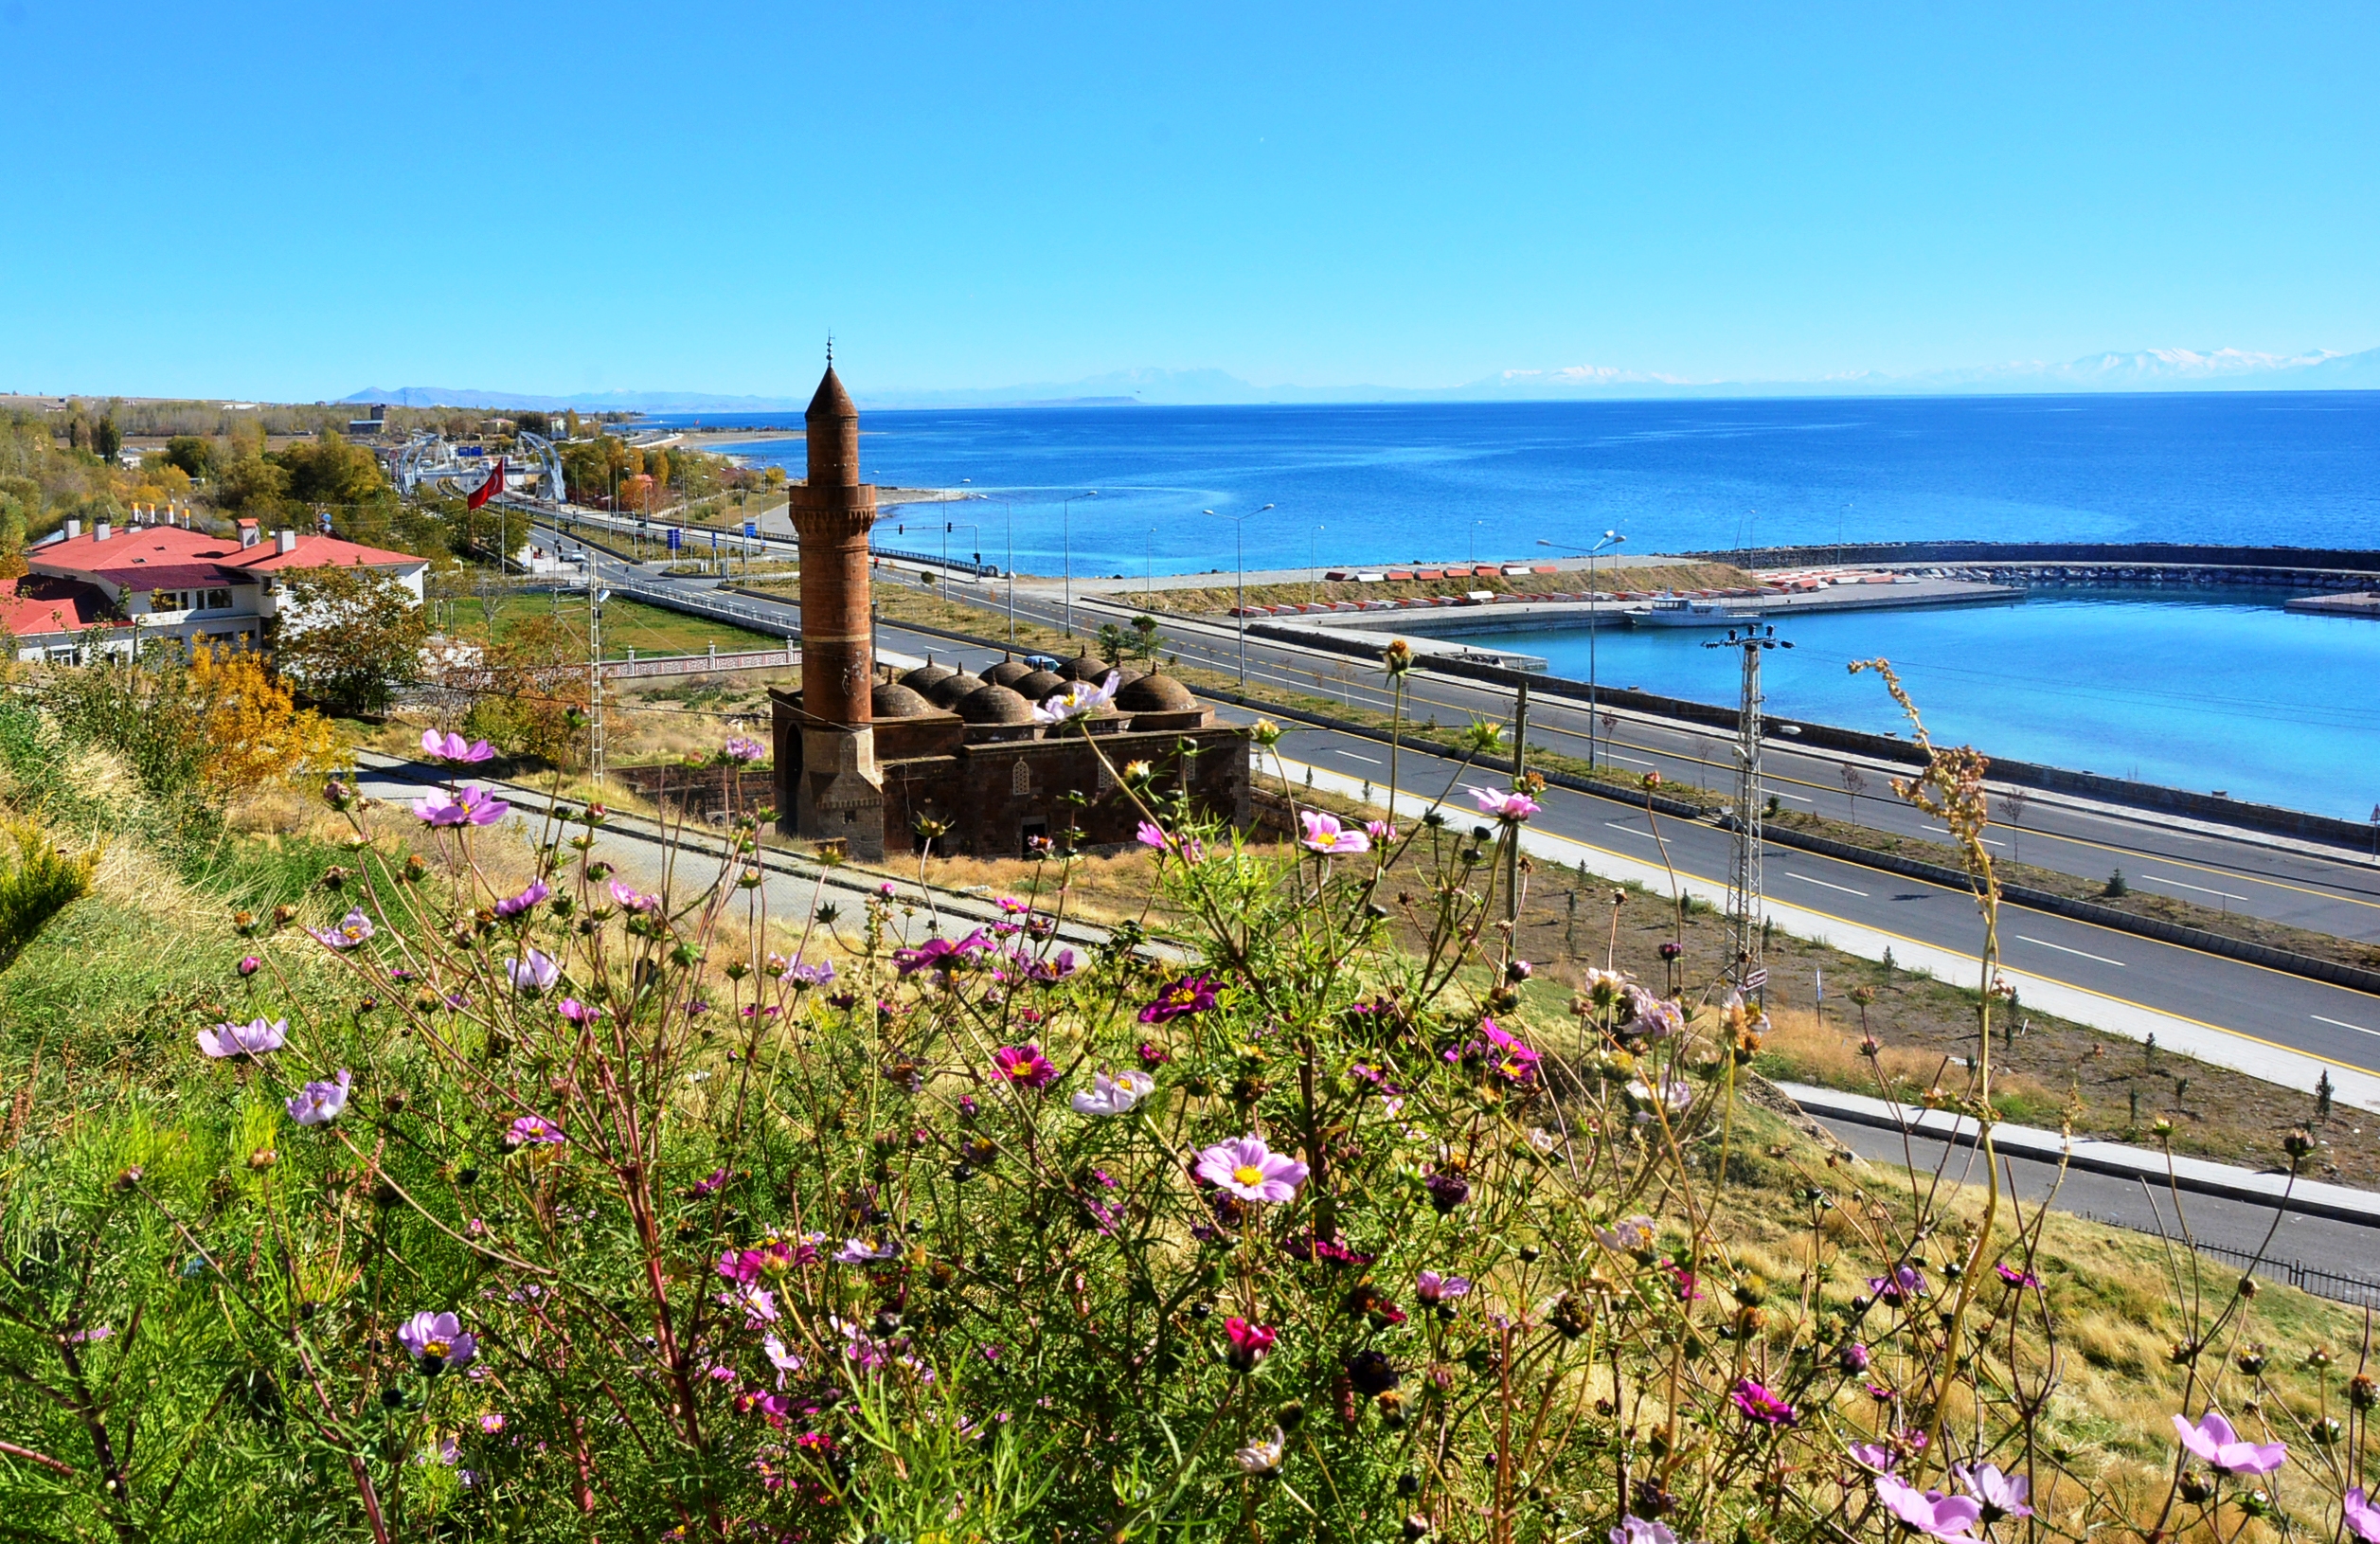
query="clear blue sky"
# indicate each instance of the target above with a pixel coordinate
(277, 199)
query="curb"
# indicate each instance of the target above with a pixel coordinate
(2309, 1198)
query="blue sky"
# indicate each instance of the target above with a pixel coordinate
(290, 201)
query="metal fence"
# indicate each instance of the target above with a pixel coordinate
(2335, 1285)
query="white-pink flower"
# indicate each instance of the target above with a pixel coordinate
(474, 806)
(1929, 1511)
(1076, 700)
(2361, 1516)
(1251, 1171)
(1509, 807)
(450, 748)
(632, 900)
(243, 1041)
(1325, 835)
(2214, 1443)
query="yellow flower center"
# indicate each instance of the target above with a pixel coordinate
(436, 1347)
(1248, 1173)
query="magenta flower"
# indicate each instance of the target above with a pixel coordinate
(581, 1013)
(940, 954)
(2215, 1445)
(535, 972)
(743, 748)
(1638, 1531)
(1510, 808)
(513, 906)
(318, 1104)
(1757, 1401)
(450, 748)
(244, 1041)
(492, 1423)
(1250, 1343)
(1875, 1455)
(1251, 1171)
(1148, 836)
(1325, 835)
(533, 1131)
(438, 1341)
(1433, 1289)
(1519, 1062)
(1023, 1065)
(352, 929)
(2016, 1278)
(474, 806)
(1151, 1054)
(797, 975)
(1191, 995)
(632, 900)
(1928, 1511)
(1854, 1358)
(250, 964)
(1381, 832)
(2002, 1495)
(2361, 1516)
(1904, 1285)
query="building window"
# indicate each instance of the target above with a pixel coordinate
(1021, 779)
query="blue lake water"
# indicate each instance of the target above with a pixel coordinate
(1476, 480)
(2235, 694)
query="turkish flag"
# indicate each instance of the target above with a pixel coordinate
(487, 490)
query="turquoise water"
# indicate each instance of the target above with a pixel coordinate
(2233, 693)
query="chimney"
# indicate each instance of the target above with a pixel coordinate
(285, 540)
(101, 531)
(249, 535)
(74, 529)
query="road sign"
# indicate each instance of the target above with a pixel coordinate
(751, 528)
(677, 539)
(1757, 979)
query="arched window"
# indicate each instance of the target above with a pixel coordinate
(1021, 779)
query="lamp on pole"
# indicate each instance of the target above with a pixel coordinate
(1240, 561)
(1594, 609)
(1313, 566)
(1068, 503)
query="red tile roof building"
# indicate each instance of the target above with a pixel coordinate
(167, 582)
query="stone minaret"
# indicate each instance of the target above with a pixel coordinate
(839, 794)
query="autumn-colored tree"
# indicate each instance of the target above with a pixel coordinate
(531, 692)
(347, 637)
(255, 731)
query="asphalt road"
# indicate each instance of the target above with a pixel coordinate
(2332, 1022)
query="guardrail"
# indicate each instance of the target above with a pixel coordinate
(702, 664)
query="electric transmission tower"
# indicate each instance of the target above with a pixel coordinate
(1746, 902)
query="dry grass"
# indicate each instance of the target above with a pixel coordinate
(1222, 596)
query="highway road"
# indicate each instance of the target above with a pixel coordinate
(2336, 1024)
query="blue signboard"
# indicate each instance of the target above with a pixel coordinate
(677, 539)
(751, 528)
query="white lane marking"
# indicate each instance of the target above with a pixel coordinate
(2084, 953)
(1945, 830)
(2200, 889)
(2342, 1024)
(1618, 755)
(1828, 882)
(1353, 757)
(1797, 798)
(1628, 831)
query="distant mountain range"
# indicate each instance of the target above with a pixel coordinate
(2150, 369)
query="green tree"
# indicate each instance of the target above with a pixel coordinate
(194, 454)
(252, 485)
(347, 635)
(106, 439)
(332, 471)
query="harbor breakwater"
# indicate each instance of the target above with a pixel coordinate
(2156, 564)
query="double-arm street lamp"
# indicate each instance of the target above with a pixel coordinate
(1240, 561)
(1594, 609)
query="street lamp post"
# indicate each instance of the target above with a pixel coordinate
(1240, 561)
(1070, 559)
(1594, 610)
(1313, 564)
(949, 525)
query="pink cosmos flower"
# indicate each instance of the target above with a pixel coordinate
(1191, 995)
(474, 806)
(1433, 1289)
(1023, 1065)
(1251, 1171)
(1078, 699)
(1928, 1511)
(2002, 1495)
(450, 748)
(1757, 1401)
(1906, 1284)
(2016, 1278)
(438, 1341)
(244, 1041)
(492, 1423)
(2215, 1445)
(534, 1130)
(352, 929)
(1149, 835)
(1510, 808)
(318, 1104)
(1250, 1343)
(1519, 1062)
(743, 748)
(1380, 831)
(513, 906)
(250, 964)
(536, 972)
(632, 900)
(1875, 1455)
(940, 954)
(577, 1013)
(1114, 1094)
(1325, 835)
(1638, 1531)
(2361, 1516)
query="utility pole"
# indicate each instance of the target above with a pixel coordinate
(594, 670)
(1513, 834)
(1744, 898)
